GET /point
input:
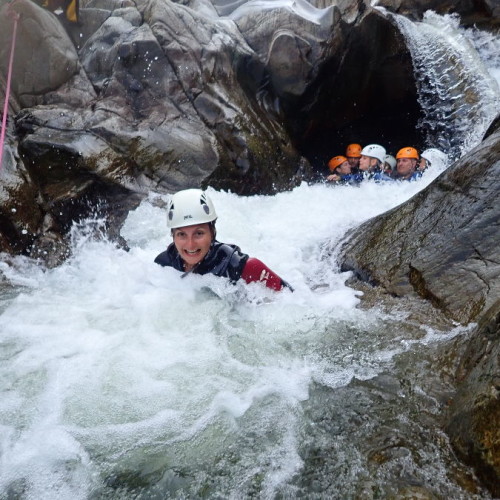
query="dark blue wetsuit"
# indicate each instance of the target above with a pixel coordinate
(374, 176)
(414, 176)
(380, 176)
(227, 261)
(361, 176)
(351, 178)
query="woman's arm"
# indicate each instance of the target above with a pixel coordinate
(255, 270)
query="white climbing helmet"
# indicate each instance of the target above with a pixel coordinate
(391, 161)
(433, 155)
(374, 151)
(190, 207)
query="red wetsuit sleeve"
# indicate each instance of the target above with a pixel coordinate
(255, 270)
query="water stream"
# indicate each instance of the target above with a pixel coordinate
(120, 380)
(456, 73)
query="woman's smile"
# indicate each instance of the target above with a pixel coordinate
(193, 243)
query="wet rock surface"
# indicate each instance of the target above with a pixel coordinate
(390, 425)
(162, 96)
(443, 246)
(473, 419)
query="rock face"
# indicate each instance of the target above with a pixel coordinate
(139, 100)
(45, 57)
(443, 242)
(443, 245)
(159, 95)
(361, 87)
(178, 106)
(473, 420)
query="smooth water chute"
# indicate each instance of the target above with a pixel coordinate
(458, 96)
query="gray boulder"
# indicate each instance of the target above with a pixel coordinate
(180, 104)
(442, 244)
(473, 418)
(45, 58)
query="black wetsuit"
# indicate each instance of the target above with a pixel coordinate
(222, 260)
(228, 261)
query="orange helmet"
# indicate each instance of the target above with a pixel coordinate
(335, 162)
(353, 150)
(407, 153)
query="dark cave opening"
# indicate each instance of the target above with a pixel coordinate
(367, 95)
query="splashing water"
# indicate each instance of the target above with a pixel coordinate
(121, 380)
(487, 46)
(454, 84)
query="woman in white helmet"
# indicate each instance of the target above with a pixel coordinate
(191, 218)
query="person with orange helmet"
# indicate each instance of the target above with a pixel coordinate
(406, 169)
(353, 154)
(341, 171)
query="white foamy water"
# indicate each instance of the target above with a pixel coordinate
(487, 46)
(121, 380)
(457, 79)
(112, 364)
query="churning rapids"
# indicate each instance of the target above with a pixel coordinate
(121, 380)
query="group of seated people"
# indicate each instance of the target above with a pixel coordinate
(373, 162)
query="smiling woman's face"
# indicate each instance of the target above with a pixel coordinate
(193, 243)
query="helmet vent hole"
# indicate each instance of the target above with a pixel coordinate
(204, 205)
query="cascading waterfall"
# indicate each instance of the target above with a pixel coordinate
(454, 85)
(120, 380)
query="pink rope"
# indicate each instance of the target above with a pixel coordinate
(15, 15)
